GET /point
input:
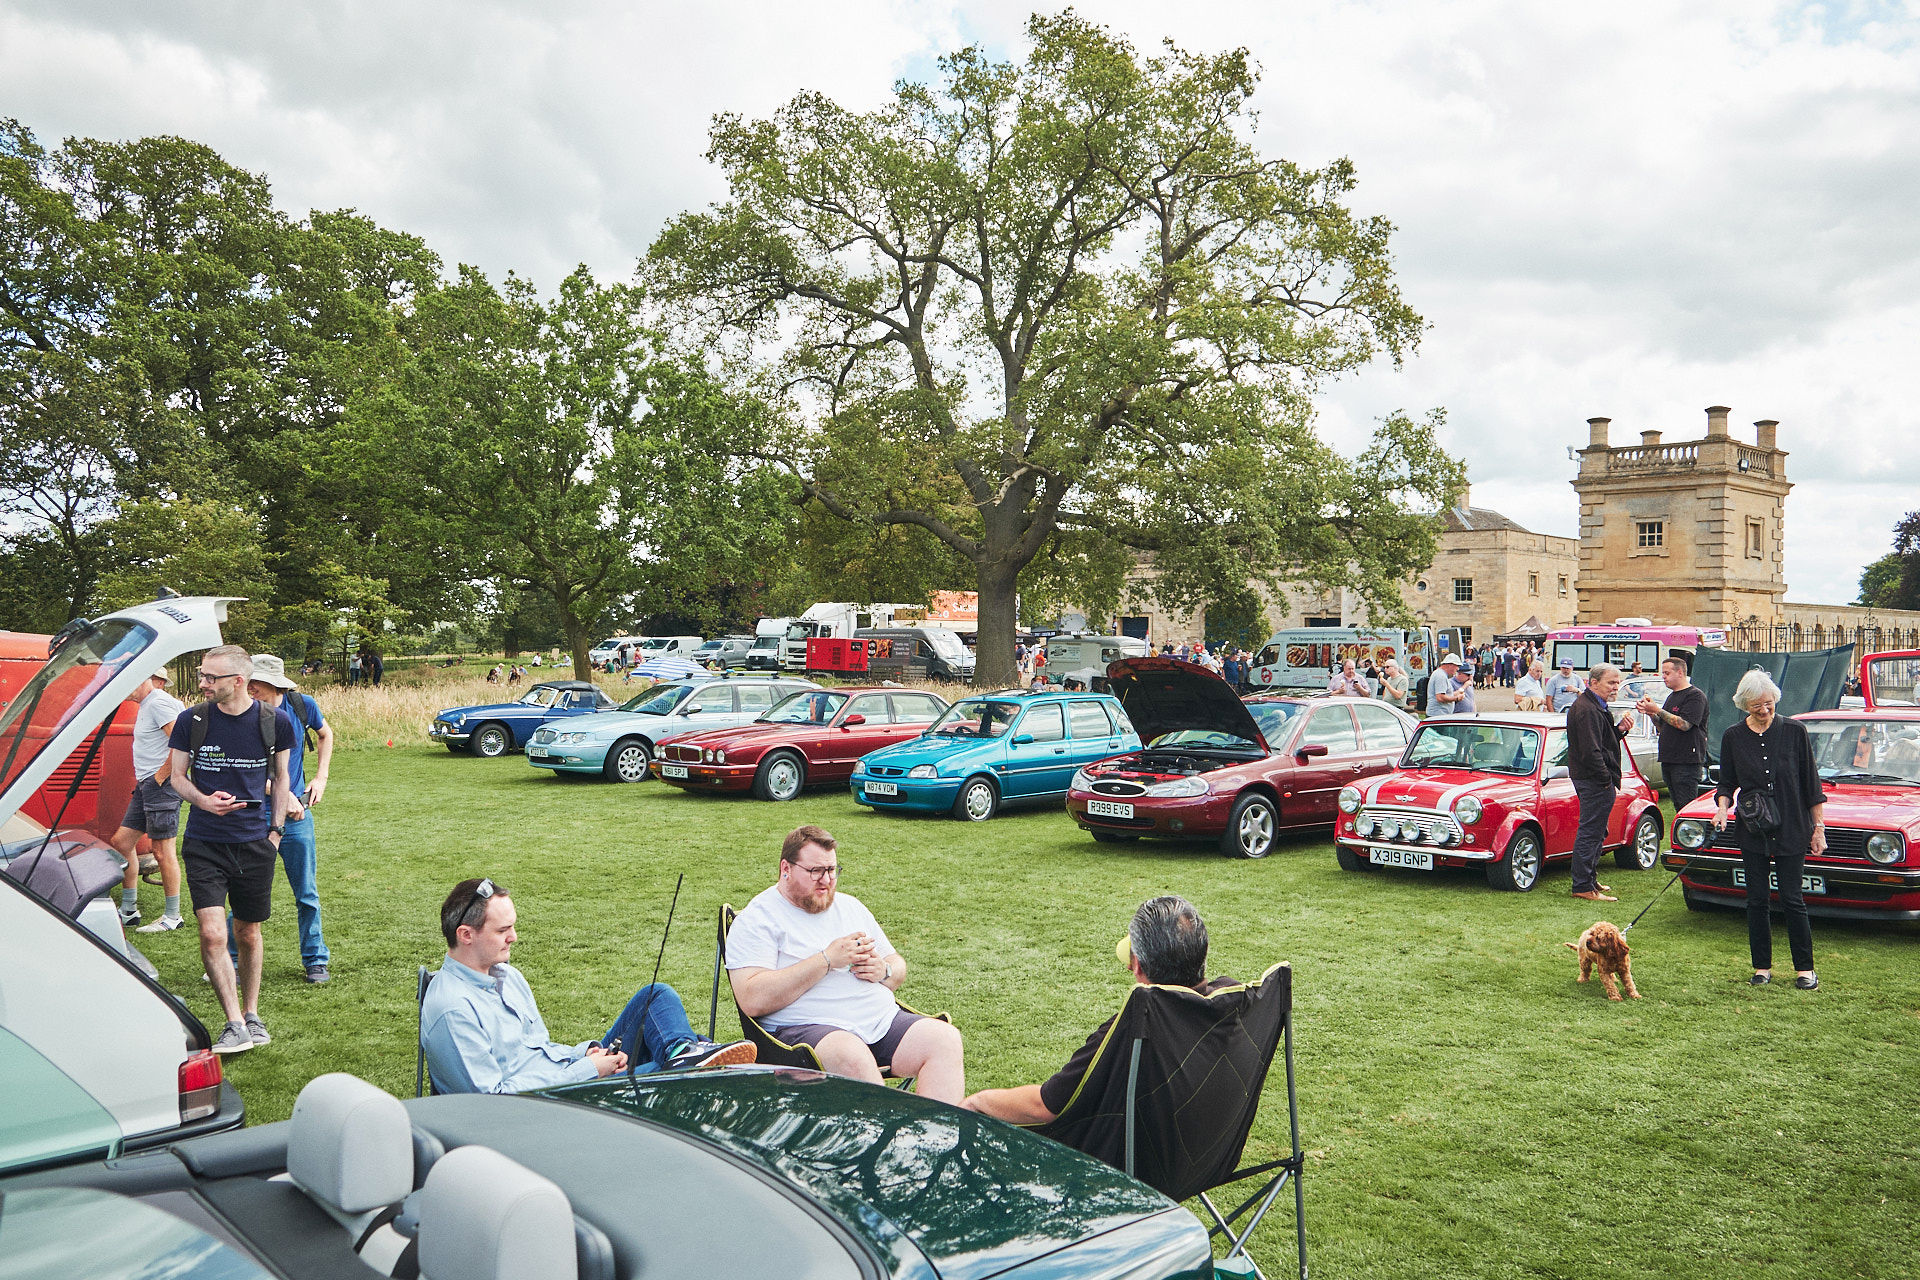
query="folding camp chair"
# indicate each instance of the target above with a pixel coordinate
(773, 1051)
(421, 1081)
(1172, 1092)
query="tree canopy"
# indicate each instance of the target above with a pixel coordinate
(1893, 581)
(1063, 312)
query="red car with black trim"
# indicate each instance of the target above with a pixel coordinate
(1215, 766)
(1869, 763)
(1489, 791)
(811, 738)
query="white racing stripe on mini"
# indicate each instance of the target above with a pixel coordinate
(1445, 804)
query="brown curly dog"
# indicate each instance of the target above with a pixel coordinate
(1604, 945)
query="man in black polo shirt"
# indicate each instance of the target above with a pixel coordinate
(1165, 945)
(234, 830)
(1682, 722)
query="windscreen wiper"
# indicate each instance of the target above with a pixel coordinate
(1857, 776)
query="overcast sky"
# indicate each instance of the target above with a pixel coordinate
(1625, 210)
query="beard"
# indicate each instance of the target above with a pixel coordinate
(817, 901)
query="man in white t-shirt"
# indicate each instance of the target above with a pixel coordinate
(154, 808)
(814, 966)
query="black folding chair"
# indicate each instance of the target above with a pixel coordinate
(421, 1080)
(773, 1051)
(1172, 1093)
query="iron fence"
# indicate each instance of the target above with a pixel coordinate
(1754, 637)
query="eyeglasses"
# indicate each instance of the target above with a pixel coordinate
(820, 874)
(214, 677)
(481, 892)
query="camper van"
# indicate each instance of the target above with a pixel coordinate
(1305, 657)
(1080, 662)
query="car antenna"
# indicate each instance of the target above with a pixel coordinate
(633, 1054)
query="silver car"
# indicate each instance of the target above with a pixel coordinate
(619, 744)
(1644, 738)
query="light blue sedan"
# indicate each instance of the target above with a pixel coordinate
(1008, 747)
(620, 744)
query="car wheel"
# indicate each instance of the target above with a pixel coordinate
(491, 740)
(978, 800)
(1111, 837)
(1519, 867)
(1642, 853)
(454, 749)
(1351, 861)
(780, 777)
(1251, 827)
(628, 760)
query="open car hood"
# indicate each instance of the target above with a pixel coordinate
(1165, 695)
(94, 670)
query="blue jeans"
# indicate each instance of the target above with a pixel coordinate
(298, 857)
(650, 1044)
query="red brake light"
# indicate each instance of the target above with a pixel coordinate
(199, 1086)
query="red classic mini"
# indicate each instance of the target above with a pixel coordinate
(1489, 791)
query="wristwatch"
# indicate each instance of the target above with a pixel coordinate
(887, 976)
(279, 831)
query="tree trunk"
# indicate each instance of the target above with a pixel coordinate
(993, 664)
(577, 643)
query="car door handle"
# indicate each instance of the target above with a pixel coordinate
(1059, 751)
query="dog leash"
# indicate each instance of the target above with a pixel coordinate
(1656, 897)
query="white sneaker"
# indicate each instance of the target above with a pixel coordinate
(129, 916)
(161, 925)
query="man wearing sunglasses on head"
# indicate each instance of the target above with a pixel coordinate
(813, 965)
(483, 1033)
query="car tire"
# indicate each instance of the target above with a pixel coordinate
(1110, 837)
(780, 776)
(1252, 827)
(1642, 850)
(1351, 861)
(1520, 865)
(628, 761)
(491, 741)
(978, 800)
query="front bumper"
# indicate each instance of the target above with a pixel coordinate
(444, 732)
(707, 777)
(1854, 892)
(935, 795)
(1155, 815)
(568, 757)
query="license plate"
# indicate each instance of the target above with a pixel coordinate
(882, 789)
(673, 771)
(1808, 884)
(1110, 808)
(1400, 858)
(538, 752)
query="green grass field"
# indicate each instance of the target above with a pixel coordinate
(1469, 1108)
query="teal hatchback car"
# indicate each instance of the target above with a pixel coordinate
(993, 749)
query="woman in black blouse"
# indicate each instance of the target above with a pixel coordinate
(1768, 754)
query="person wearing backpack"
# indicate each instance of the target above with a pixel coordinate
(229, 761)
(270, 686)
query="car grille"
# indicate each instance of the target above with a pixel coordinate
(682, 753)
(884, 771)
(1106, 787)
(1426, 821)
(1842, 842)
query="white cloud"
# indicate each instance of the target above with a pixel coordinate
(1629, 210)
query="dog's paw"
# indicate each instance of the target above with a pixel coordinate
(1612, 996)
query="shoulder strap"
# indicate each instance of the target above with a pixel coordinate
(268, 731)
(197, 731)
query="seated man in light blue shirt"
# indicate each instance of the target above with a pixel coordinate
(482, 1032)
(1565, 687)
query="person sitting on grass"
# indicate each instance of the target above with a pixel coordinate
(482, 1032)
(1166, 945)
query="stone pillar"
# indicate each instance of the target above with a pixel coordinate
(1717, 421)
(1649, 439)
(1766, 434)
(1597, 432)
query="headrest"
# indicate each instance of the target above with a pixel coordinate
(484, 1217)
(350, 1145)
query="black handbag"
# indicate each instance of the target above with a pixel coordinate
(1758, 810)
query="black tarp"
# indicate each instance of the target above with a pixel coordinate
(1808, 682)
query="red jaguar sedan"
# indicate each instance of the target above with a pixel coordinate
(1216, 766)
(811, 739)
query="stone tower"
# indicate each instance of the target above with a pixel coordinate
(1687, 533)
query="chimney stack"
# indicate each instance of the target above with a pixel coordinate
(1597, 432)
(1717, 421)
(1766, 434)
(1466, 496)
(1649, 439)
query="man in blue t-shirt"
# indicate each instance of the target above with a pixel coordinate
(239, 790)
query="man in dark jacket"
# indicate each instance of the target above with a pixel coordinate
(1593, 760)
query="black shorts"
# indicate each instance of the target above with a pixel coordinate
(240, 874)
(153, 810)
(883, 1049)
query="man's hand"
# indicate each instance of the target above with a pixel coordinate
(1647, 706)
(222, 803)
(1720, 818)
(295, 810)
(1819, 841)
(1626, 723)
(316, 788)
(606, 1063)
(842, 952)
(869, 965)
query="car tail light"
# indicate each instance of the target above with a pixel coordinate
(199, 1086)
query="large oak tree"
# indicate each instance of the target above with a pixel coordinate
(1065, 300)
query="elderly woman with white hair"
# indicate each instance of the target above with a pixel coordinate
(1771, 791)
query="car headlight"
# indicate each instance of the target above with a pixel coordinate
(1082, 780)
(707, 755)
(1179, 787)
(1363, 825)
(1349, 800)
(1389, 828)
(1690, 833)
(928, 771)
(1467, 809)
(720, 756)
(1885, 847)
(1444, 836)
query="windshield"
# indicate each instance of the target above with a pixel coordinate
(815, 706)
(976, 718)
(1272, 717)
(62, 687)
(946, 644)
(653, 644)
(803, 630)
(1483, 748)
(657, 701)
(766, 642)
(542, 697)
(1876, 751)
(1204, 738)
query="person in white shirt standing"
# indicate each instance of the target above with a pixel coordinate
(153, 810)
(814, 965)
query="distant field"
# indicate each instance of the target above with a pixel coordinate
(1470, 1109)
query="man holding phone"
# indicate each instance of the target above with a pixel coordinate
(269, 685)
(229, 759)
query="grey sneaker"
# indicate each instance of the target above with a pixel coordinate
(317, 974)
(258, 1029)
(234, 1039)
(161, 925)
(702, 1052)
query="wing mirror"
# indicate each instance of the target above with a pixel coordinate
(1559, 771)
(1310, 750)
(853, 720)
(1022, 739)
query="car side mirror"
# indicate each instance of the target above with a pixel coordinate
(1022, 739)
(853, 720)
(1310, 750)
(1559, 771)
